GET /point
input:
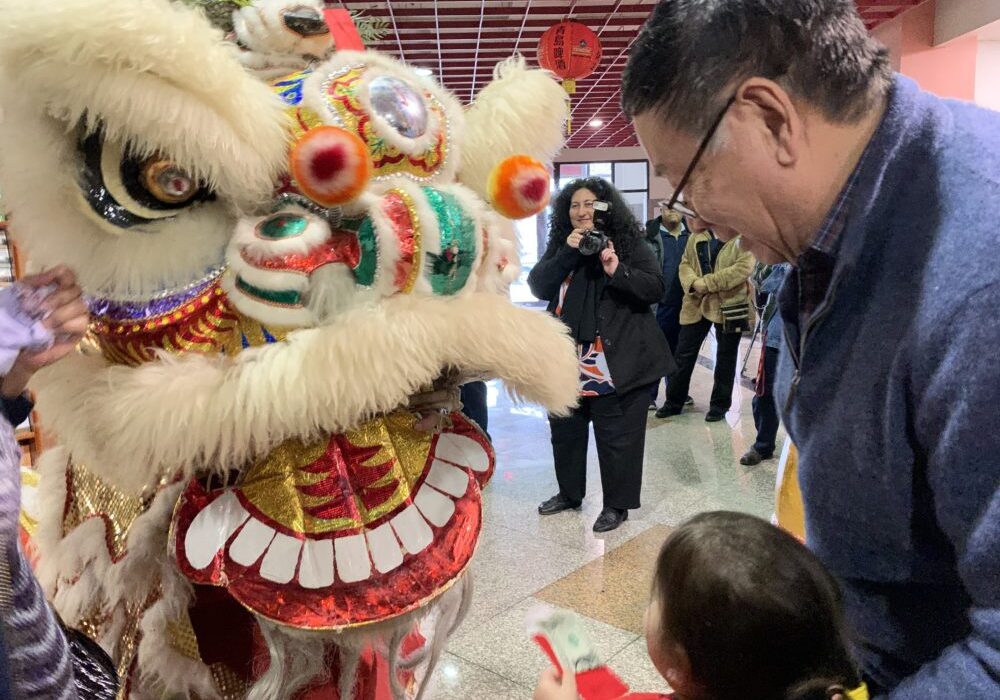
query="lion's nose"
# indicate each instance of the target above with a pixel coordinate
(305, 21)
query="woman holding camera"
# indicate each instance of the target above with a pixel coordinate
(600, 280)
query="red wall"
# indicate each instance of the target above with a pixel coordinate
(948, 70)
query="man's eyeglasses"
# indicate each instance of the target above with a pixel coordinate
(674, 203)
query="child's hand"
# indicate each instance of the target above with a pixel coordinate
(553, 687)
(67, 316)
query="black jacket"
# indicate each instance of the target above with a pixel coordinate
(671, 251)
(634, 345)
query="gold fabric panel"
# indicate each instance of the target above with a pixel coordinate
(89, 497)
(340, 484)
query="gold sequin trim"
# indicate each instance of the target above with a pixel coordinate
(89, 497)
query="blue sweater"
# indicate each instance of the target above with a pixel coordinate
(896, 405)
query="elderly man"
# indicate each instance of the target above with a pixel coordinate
(783, 122)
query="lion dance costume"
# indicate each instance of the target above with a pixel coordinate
(238, 503)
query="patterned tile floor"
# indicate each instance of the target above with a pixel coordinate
(525, 560)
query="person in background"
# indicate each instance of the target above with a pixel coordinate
(474, 404)
(714, 277)
(42, 318)
(672, 237)
(740, 610)
(603, 296)
(768, 280)
(653, 239)
(885, 199)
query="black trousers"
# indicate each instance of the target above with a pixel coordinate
(765, 411)
(688, 345)
(669, 320)
(620, 432)
(473, 397)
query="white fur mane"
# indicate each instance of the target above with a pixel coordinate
(131, 426)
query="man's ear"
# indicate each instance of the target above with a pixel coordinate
(766, 103)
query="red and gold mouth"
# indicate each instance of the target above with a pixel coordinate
(352, 530)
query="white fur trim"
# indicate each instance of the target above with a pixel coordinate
(182, 413)
(269, 314)
(260, 28)
(522, 111)
(90, 582)
(161, 667)
(82, 562)
(52, 466)
(501, 245)
(317, 231)
(277, 280)
(135, 577)
(38, 167)
(332, 290)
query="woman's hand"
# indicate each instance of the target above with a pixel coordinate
(553, 687)
(574, 238)
(67, 319)
(609, 259)
(699, 286)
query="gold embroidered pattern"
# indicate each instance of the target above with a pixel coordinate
(345, 483)
(89, 497)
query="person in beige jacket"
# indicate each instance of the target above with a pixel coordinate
(714, 277)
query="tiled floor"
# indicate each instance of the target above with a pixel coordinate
(525, 560)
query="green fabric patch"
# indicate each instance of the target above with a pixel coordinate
(449, 270)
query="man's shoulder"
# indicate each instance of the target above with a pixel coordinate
(941, 196)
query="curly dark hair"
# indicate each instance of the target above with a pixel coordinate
(623, 229)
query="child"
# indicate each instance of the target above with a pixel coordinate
(741, 611)
(42, 318)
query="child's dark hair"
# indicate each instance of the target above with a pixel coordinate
(757, 614)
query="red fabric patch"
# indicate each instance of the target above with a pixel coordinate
(328, 162)
(342, 247)
(535, 189)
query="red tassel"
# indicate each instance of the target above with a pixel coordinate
(345, 34)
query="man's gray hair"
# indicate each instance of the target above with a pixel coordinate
(692, 52)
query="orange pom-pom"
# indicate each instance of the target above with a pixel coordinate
(519, 187)
(330, 165)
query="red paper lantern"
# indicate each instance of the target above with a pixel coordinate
(571, 51)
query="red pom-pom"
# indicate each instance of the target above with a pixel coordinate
(519, 187)
(330, 165)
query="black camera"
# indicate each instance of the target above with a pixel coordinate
(595, 240)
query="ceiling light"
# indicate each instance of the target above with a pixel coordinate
(423, 71)
(597, 123)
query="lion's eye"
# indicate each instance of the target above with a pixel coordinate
(168, 182)
(129, 191)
